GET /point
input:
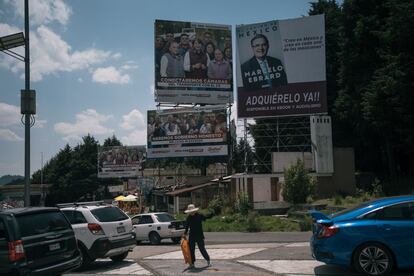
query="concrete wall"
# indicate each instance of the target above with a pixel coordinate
(283, 160)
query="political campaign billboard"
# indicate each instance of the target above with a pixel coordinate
(281, 68)
(120, 161)
(193, 63)
(184, 132)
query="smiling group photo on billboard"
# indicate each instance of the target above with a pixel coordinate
(187, 132)
(120, 161)
(281, 68)
(193, 63)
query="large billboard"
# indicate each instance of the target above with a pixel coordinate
(193, 63)
(281, 68)
(198, 131)
(120, 161)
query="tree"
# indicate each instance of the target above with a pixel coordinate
(298, 184)
(112, 142)
(239, 157)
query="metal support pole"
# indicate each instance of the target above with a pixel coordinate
(277, 133)
(230, 145)
(27, 116)
(245, 146)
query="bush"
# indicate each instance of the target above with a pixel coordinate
(216, 205)
(306, 224)
(242, 204)
(298, 184)
(252, 222)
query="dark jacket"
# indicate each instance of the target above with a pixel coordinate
(254, 78)
(194, 222)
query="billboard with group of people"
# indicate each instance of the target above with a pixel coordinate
(193, 63)
(187, 132)
(120, 161)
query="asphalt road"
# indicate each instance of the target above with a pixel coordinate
(252, 254)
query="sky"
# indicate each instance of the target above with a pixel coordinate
(92, 66)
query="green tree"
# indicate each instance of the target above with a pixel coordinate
(298, 184)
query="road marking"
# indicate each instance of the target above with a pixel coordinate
(215, 254)
(298, 267)
(105, 266)
(298, 244)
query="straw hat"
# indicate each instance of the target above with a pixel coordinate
(191, 208)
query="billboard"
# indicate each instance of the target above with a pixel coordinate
(198, 131)
(281, 68)
(120, 161)
(193, 63)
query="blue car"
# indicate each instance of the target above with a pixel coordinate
(374, 237)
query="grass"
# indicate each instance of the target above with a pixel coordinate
(253, 222)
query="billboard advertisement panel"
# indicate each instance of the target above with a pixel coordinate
(120, 161)
(198, 131)
(193, 63)
(281, 68)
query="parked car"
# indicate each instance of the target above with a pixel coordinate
(374, 237)
(101, 230)
(36, 241)
(154, 227)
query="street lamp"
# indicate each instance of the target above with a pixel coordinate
(28, 97)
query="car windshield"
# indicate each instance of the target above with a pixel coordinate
(108, 214)
(34, 224)
(164, 217)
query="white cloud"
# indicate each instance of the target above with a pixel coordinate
(110, 75)
(50, 54)
(116, 56)
(87, 122)
(9, 115)
(44, 11)
(8, 135)
(129, 66)
(40, 123)
(137, 137)
(134, 119)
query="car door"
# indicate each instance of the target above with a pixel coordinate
(396, 226)
(144, 227)
(4, 248)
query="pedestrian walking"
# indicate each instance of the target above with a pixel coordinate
(196, 235)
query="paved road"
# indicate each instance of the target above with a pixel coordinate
(231, 254)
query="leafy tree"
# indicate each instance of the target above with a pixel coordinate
(298, 184)
(112, 142)
(239, 156)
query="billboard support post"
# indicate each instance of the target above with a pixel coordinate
(245, 146)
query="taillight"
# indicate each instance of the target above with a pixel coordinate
(16, 250)
(327, 231)
(95, 229)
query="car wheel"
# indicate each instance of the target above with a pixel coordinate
(176, 240)
(86, 260)
(373, 259)
(154, 238)
(120, 257)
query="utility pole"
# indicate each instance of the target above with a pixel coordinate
(27, 115)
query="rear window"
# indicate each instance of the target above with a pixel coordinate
(40, 223)
(108, 214)
(164, 217)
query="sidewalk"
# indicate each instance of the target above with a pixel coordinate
(259, 237)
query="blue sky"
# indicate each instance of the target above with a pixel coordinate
(92, 66)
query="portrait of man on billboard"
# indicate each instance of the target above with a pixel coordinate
(262, 70)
